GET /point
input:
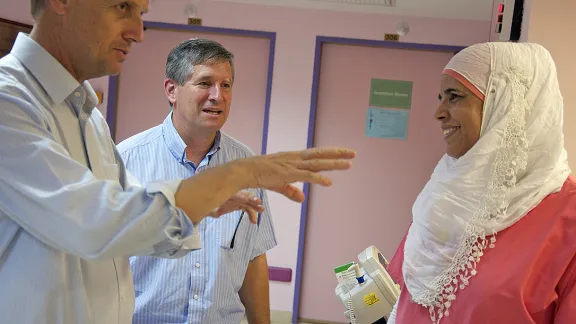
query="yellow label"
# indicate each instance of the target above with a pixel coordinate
(392, 37)
(371, 299)
(195, 21)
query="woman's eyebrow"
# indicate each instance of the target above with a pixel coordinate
(447, 91)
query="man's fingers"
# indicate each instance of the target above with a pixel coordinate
(243, 200)
(253, 203)
(317, 165)
(247, 198)
(328, 153)
(290, 191)
(317, 179)
(253, 215)
(294, 193)
(256, 208)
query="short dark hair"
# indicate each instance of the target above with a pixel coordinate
(182, 59)
(36, 7)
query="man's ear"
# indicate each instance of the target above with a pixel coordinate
(60, 7)
(171, 90)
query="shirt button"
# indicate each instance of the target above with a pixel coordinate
(197, 265)
(196, 297)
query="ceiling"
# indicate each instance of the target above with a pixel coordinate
(449, 9)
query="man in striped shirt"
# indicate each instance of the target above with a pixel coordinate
(228, 277)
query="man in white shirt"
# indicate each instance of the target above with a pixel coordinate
(69, 215)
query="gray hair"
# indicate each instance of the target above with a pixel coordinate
(36, 7)
(182, 59)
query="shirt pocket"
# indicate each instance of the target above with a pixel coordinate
(228, 228)
(236, 237)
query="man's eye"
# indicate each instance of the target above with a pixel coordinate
(123, 6)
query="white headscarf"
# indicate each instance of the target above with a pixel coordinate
(518, 161)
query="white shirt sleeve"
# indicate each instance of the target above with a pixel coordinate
(61, 203)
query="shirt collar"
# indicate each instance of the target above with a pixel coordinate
(176, 144)
(58, 83)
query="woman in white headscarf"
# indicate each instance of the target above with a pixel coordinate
(493, 237)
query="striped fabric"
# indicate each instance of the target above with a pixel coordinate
(201, 287)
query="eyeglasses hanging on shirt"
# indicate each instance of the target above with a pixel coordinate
(236, 230)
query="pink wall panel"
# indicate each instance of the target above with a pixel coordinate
(372, 203)
(142, 103)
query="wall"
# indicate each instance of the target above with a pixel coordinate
(296, 31)
(548, 19)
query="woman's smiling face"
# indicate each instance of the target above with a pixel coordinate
(460, 115)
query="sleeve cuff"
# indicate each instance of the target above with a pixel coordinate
(167, 188)
(181, 235)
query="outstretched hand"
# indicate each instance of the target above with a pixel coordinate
(277, 172)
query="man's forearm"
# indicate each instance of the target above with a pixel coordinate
(255, 291)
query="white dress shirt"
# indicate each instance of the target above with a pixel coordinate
(69, 218)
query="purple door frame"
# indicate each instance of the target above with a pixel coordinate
(321, 40)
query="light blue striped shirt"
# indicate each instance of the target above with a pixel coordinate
(203, 286)
(69, 214)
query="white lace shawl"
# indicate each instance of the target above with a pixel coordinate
(518, 161)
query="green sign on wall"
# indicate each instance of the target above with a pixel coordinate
(391, 93)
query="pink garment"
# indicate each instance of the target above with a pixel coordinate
(529, 277)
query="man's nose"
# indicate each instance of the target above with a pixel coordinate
(135, 31)
(215, 92)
